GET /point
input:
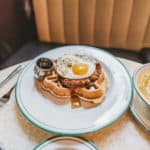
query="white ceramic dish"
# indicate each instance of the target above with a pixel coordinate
(135, 76)
(65, 143)
(140, 107)
(62, 119)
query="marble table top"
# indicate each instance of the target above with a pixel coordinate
(17, 133)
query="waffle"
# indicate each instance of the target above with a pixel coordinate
(89, 96)
(49, 94)
(52, 84)
(98, 94)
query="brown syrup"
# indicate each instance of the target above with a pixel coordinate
(75, 101)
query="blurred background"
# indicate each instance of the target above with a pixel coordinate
(30, 27)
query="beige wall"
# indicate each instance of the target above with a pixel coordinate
(105, 23)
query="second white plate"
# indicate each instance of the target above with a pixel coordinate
(66, 143)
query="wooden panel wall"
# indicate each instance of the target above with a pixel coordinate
(120, 23)
(146, 42)
(42, 19)
(86, 21)
(138, 23)
(71, 21)
(105, 23)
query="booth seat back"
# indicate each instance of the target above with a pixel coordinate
(123, 24)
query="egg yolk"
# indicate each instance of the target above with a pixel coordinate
(80, 69)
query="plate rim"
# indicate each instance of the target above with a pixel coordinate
(139, 120)
(76, 132)
(58, 136)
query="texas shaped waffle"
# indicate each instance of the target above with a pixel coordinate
(89, 96)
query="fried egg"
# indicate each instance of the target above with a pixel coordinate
(75, 66)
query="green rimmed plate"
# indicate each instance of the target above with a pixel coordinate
(62, 119)
(66, 143)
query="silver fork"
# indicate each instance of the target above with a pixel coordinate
(5, 98)
(11, 75)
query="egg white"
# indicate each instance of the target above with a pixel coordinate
(64, 66)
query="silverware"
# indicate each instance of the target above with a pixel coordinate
(11, 75)
(5, 98)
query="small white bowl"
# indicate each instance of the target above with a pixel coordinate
(135, 76)
(140, 106)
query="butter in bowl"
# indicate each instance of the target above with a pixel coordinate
(140, 106)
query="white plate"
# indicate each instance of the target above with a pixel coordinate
(62, 119)
(66, 143)
(141, 112)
